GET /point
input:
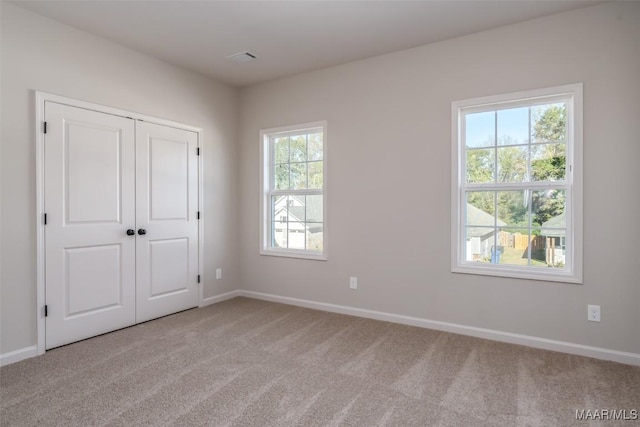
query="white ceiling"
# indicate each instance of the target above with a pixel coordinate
(287, 36)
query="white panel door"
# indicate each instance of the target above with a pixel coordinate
(89, 172)
(166, 220)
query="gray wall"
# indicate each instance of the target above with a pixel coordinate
(40, 54)
(389, 168)
(389, 177)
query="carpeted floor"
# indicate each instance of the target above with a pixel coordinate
(246, 362)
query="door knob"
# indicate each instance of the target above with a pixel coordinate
(131, 232)
(142, 231)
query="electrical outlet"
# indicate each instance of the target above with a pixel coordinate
(353, 282)
(593, 313)
(218, 273)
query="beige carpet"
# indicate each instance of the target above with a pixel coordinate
(253, 363)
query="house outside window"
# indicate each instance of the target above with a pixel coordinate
(517, 185)
(293, 212)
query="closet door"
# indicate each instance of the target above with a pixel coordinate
(89, 174)
(166, 220)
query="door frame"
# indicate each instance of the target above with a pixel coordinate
(40, 99)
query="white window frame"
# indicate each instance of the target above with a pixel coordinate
(267, 184)
(572, 95)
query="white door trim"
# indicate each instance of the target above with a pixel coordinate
(40, 99)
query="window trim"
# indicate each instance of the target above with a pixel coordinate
(573, 94)
(266, 177)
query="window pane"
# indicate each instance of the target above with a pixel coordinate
(513, 126)
(295, 162)
(279, 218)
(479, 241)
(553, 248)
(513, 192)
(480, 208)
(296, 235)
(480, 166)
(315, 175)
(279, 235)
(512, 164)
(281, 177)
(298, 176)
(315, 147)
(279, 208)
(295, 208)
(513, 209)
(548, 162)
(298, 148)
(480, 129)
(314, 209)
(314, 237)
(521, 244)
(281, 148)
(513, 247)
(506, 255)
(548, 208)
(549, 123)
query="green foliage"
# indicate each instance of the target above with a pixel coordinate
(298, 150)
(480, 165)
(512, 164)
(298, 162)
(548, 163)
(281, 150)
(550, 124)
(298, 175)
(483, 200)
(314, 151)
(315, 174)
(549, 168)
(512, 208)
(546, 205)
(282, 177)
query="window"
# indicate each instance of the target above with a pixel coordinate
(517, 185)
(293, 219)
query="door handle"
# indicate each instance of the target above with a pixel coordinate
(131, 232)
(142, 231)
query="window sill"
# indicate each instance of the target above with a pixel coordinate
(518, 273)
(294, 254)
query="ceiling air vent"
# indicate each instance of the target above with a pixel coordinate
(242, 57)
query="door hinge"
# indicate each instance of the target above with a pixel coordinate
(44, 127)
(45, 219)
(197, 151)
(46, 310)
(198, 215)
(198, 278)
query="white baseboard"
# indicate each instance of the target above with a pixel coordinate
(18, 355)
(526, 340)
(32, 351)
(507, 337)
(220, 298)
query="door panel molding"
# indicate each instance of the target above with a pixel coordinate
(40, 99)
(166, 207)
(78, 175)
(111, 254)
(89, 267)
